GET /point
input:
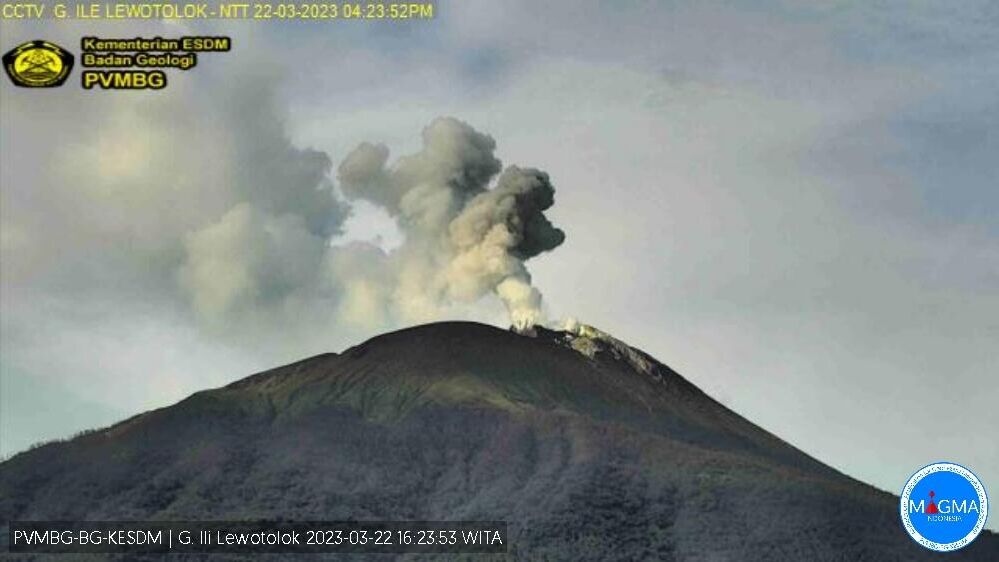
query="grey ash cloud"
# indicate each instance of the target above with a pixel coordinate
(463, 240)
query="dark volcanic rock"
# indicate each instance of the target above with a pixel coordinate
(590, 449)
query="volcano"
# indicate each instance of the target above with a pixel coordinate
(589, 449)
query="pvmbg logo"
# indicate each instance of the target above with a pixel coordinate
(38, 64)
(944, 506)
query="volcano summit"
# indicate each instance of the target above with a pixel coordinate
(588, 448)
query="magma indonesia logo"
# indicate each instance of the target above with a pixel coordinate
(944, 506)
(38, 64)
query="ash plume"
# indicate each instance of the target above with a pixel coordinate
(463, 238)
(254, 260)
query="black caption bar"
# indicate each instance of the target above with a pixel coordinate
(302, 537)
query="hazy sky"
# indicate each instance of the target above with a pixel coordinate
(796, 208)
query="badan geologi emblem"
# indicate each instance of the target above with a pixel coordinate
(38, 64)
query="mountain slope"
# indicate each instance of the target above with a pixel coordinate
(589, 448)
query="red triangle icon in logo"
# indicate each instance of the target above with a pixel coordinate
(932, 508)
